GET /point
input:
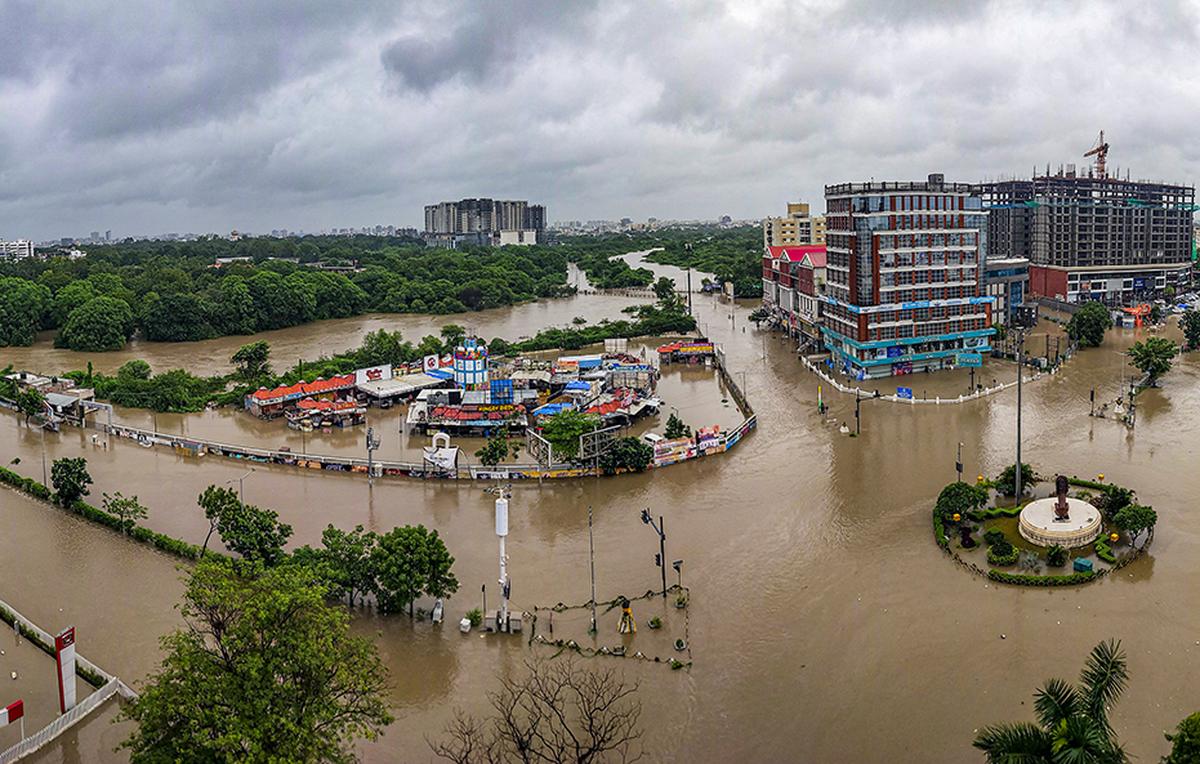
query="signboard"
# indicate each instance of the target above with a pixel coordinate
(372, 374)
(431, 363)
(12, 712)
(973, 360)
(695, 348)
(895, 351)
(904, 392)
(64, 657)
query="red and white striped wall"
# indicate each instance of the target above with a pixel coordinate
(12, 712)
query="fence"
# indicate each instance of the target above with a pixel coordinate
(112, 686)
(980, 393)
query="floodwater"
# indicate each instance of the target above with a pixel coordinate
(825, 625)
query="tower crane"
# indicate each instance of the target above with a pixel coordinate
(1100, 151)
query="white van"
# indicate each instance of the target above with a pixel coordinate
(653, 439)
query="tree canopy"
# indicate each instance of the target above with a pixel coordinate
(1089, 324)
(101, 323)
(1152, 356)
(264, 670)
(70, 479)
(563, 431)
(1189, 322)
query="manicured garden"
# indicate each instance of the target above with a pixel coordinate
(977, 524)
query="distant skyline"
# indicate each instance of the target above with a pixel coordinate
(149, 118)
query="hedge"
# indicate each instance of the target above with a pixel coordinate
(1028, 580)
(994, 512)
(1095, 485)
(139, 533)
(1104, 551)
(939, 531)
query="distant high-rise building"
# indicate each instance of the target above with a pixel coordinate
(1093, 237)
(108, 235)
(16, 250)
(904, 277)
(482, 221)
(795, 228)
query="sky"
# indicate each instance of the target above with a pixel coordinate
(155, 117)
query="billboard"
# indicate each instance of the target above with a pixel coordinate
(972, 360)
(64, 657)
(372, 374)
(904, 392)
(430, 363)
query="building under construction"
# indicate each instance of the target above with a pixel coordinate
(1093, 236)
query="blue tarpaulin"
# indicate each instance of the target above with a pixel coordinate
(579, 385)
(551, 409)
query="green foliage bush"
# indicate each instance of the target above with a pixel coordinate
(1088, 324)
(1021, 579)
(1104, 551)
(961, 498)
(1003, 553)
(993, 536)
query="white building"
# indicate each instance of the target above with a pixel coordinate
(16, 250)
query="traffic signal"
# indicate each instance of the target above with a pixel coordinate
(657, 560)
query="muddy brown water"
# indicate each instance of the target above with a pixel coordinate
(824, 624)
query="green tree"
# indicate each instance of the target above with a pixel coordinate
(1056, 556)
(264, 670)
(959, 498)
(1072, 721)
(31, 402)
(1089, 323)
(1189, 322)
(564, 429)
(676, 428)
(1135, 519)
(410, 561)
(1006, 483)
(24, 306)
(1185, 743)
(127, 509)
(232, 307)
(1152, 356)
(760, 315)
(452, 336)
(351, 564)
(68, 298)
(70, 479)
(664, 290)
(626, 454)
(175, 318)
(382, 347)
(497, 449)
(254, 533)
(216, 502)
(101, 323)
(252, 361)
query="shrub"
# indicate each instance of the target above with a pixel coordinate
(960, 498)
(1003, 553)
(939, 530)
(1056, 556)
(475, 616)
(1104, 551)
(1006, 483)
(993, 536)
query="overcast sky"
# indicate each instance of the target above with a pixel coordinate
(208, 116)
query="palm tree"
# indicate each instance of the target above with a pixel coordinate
(1072, 721)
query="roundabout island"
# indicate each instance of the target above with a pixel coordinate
(1082, 531)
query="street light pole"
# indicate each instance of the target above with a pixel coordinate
(592, 563)
(958, 465)
(1020, 374)
(372, 444)
(241, 486)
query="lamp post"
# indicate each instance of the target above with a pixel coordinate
(958, 465)
(688, 248)
(592, 563)
(660, 559)
(241, 485)
(678, 566)
(372, 445)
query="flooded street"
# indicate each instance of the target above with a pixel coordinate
(825, 625)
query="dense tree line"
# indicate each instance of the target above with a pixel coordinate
(172, 292)
(733, 255)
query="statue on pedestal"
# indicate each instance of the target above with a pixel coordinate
(1061, 509)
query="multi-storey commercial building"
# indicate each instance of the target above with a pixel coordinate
(904, 278)
(1007, 280)
(16, 250)
(793, 280)
(795, 228)
(483, 221)
(1093, 237)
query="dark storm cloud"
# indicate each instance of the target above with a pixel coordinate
(151, 117)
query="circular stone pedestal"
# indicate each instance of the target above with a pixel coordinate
(1039, 526)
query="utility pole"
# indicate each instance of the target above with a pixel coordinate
(1020, 373)
(857, 413)
(592, 562)
(45, 479)
(502, 533)
(372, 444)
(661, 558)
(688, 248)
(241, 486)
(958, 464)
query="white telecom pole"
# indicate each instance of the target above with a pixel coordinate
(501, 533)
